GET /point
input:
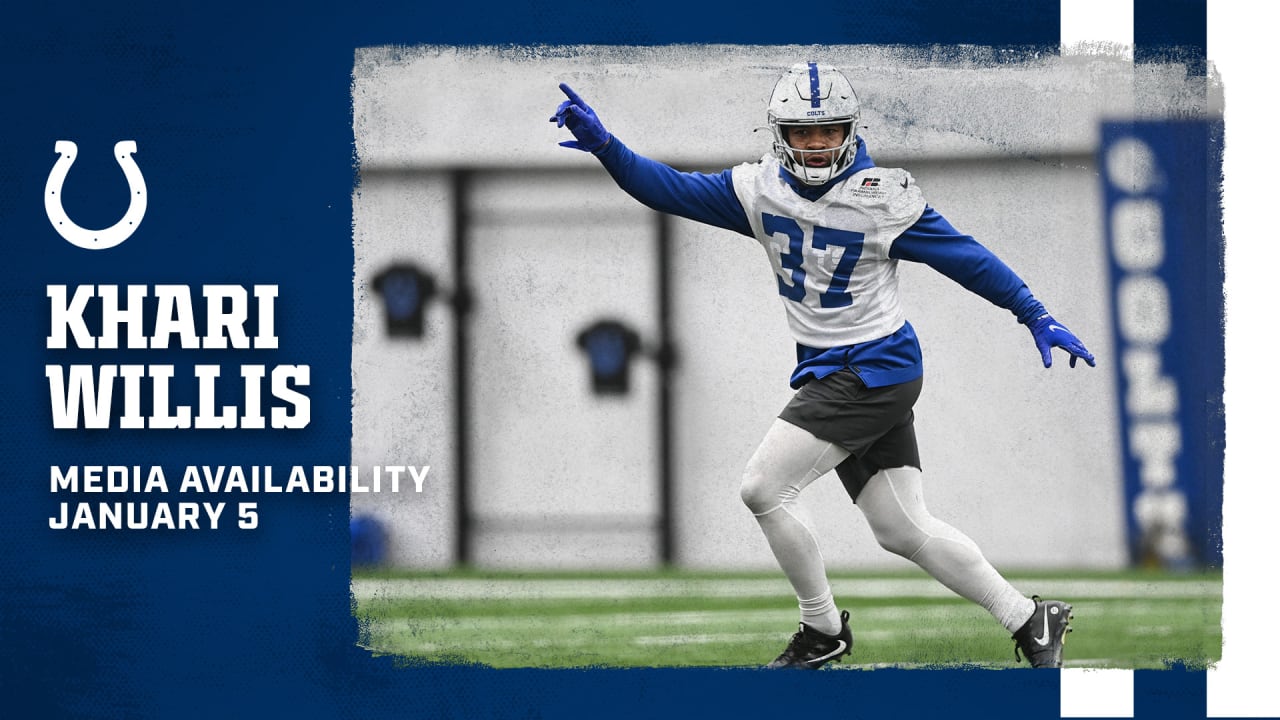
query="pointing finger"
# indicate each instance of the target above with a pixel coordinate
(573, 96)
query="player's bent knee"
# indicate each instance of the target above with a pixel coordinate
(901, 542)
(753, 494)
(898, 547)
(755, 491)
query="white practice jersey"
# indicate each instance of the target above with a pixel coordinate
(831, 255)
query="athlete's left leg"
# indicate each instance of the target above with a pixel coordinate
(893, 503)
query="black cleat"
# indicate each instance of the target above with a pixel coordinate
(1042, 637)
(810, 649)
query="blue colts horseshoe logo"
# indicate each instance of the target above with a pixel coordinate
(107, 237)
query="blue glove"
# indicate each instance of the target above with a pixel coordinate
(1049, 334)
(581, 121)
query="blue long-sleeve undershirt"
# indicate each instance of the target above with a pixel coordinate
(697, 196)
(710, 199)
(933, 241)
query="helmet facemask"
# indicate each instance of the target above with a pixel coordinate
(811, 95)
(813, 166)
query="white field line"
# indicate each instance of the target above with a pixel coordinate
(484, 634)
(783, 621)
(562, 643)
(585, 641)
(922, 622)
(408, 639)
(536, 589)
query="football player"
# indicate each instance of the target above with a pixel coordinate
(835, 226)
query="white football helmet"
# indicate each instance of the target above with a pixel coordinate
(813, 94)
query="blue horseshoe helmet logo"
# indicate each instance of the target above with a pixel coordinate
(107, 237)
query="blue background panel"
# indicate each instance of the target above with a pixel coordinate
(241, 113)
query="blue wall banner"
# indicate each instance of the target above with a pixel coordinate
(1161, 184)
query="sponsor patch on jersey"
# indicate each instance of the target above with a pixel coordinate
(869, 187)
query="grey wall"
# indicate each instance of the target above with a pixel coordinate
(1023, 459)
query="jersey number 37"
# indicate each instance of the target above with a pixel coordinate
(837, 293)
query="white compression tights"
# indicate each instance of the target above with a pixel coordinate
(789, 459)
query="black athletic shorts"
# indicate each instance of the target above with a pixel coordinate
(874, 424)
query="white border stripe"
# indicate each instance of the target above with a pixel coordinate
(1241, 46)
(1091, 26)
(1096, 26)
(1096, 693)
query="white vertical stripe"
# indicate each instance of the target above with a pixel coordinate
(1241, 48)
(1089, 26)
(1096, 693)
(1096, 25)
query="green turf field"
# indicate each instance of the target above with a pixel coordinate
(1122, 620)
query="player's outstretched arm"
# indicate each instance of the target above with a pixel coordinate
(1049, 333)
(588, 132)
(698, 196)
(933, 241)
